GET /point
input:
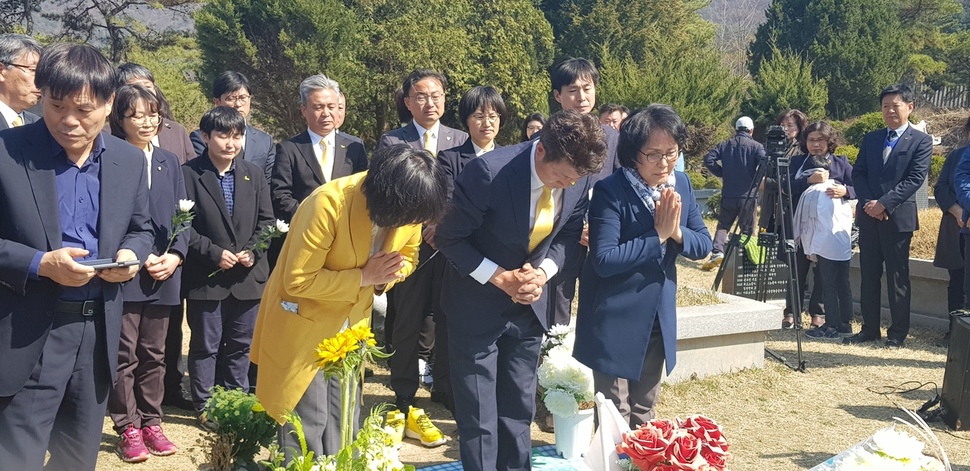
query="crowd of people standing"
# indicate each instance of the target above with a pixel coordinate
(478, 246)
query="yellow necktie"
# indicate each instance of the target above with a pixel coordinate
(18, 121)
(544, 219)
(325, 161)
(427, 142)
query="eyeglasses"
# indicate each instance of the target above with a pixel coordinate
(492, 118)
(23, 68)
(237, 99)
(423, 99)
(534, 127)
(819, 140)
(148, 119)
(655, 157)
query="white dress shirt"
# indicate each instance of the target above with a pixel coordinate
(9, 114)
(318, 152)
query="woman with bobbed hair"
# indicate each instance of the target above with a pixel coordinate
(641, 219)
(357, 235)
(172, 136)
(821, 185)
(794, 122)
(532, 124)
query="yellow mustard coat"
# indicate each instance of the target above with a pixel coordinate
(318, 276)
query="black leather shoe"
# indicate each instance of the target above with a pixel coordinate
(894, 344)
(178, 401)
(859, 338)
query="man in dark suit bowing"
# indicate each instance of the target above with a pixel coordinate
(315, 156)
(892, 164)
(67, 193)
(232, 89)
(424, 99)
(18, 66)
(516, 216)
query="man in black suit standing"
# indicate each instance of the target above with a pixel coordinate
(232, 89)
(409, 302)
(67, 193)
(892, 165)
(319, 154)
(19, 55)
(517, 215)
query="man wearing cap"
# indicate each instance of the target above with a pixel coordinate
(735, 160)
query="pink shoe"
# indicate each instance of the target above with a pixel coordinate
(131, 449)
(157, 442)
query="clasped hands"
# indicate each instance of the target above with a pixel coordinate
(836, 191)
(666, 219)
(382, 268)
(876, 210)
(523, 285)
(229, 259)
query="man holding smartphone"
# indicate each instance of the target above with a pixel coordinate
(67, 193)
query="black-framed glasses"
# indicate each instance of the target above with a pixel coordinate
(23, 68)
(656, 157)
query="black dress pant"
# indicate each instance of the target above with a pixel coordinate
(173, 352)
(61, 407)
(415, 300)
(879, 246)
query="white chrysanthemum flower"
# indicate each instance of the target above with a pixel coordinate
(282, 226)
(559, 330)
(186, 205)
(896, 444)
(561, 403)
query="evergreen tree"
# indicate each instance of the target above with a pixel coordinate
(785, 29)
(785, 82)
(174, 66)
(276, 44)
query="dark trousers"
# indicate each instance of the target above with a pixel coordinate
(734, 208)
(635, 399)
(222, 332)
(562, 288)
(415, 300)
(803, 267)
(837, 293)
(61, 407)
(319, 411)
(425, 339)
(173, 352)
(956, 290)
(494, 380)
(136, 398)
(442, 360)
(879, 246)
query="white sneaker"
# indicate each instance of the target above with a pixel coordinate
(424, 372)
(713, 262)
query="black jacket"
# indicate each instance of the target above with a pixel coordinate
(736, 161)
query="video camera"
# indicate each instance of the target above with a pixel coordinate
(776, 142)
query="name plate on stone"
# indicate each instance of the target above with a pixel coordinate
(743, 277)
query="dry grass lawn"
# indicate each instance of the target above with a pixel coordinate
(775, 418)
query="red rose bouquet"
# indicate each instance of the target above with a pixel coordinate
(695, 444)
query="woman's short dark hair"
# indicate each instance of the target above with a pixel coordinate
(405, 186)
(228, 82)
(69, 69)
(486, 98)
(577, 138)
(126, 98)
(640, 126)
(222, 119)
(823, 128)
(130, 71)
(800, 119)
(537, 117)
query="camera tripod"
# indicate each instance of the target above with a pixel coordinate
(773, 170)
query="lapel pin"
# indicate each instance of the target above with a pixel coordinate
(343, 146)
(246, 177)
(159, 169)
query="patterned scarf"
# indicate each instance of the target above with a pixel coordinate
(648, 194)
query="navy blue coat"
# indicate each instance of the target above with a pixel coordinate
(627, 281)
(895, 183)
(736, 161)
(840, 171)
(168, 187)
(490, 218)
(30, 222)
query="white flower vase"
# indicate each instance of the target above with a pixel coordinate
(573, 433)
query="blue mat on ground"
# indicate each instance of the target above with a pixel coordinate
(544, 458)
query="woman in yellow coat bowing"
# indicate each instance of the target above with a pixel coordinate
(349, 238)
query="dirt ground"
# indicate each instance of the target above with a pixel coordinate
(774, 418)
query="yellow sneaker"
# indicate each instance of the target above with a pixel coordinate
(420, 428)
(394, 424)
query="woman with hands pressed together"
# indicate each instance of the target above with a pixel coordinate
(640, 219)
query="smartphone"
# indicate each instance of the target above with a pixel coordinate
(105, 263)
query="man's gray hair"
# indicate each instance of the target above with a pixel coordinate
(314, 83)
(13, 46)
